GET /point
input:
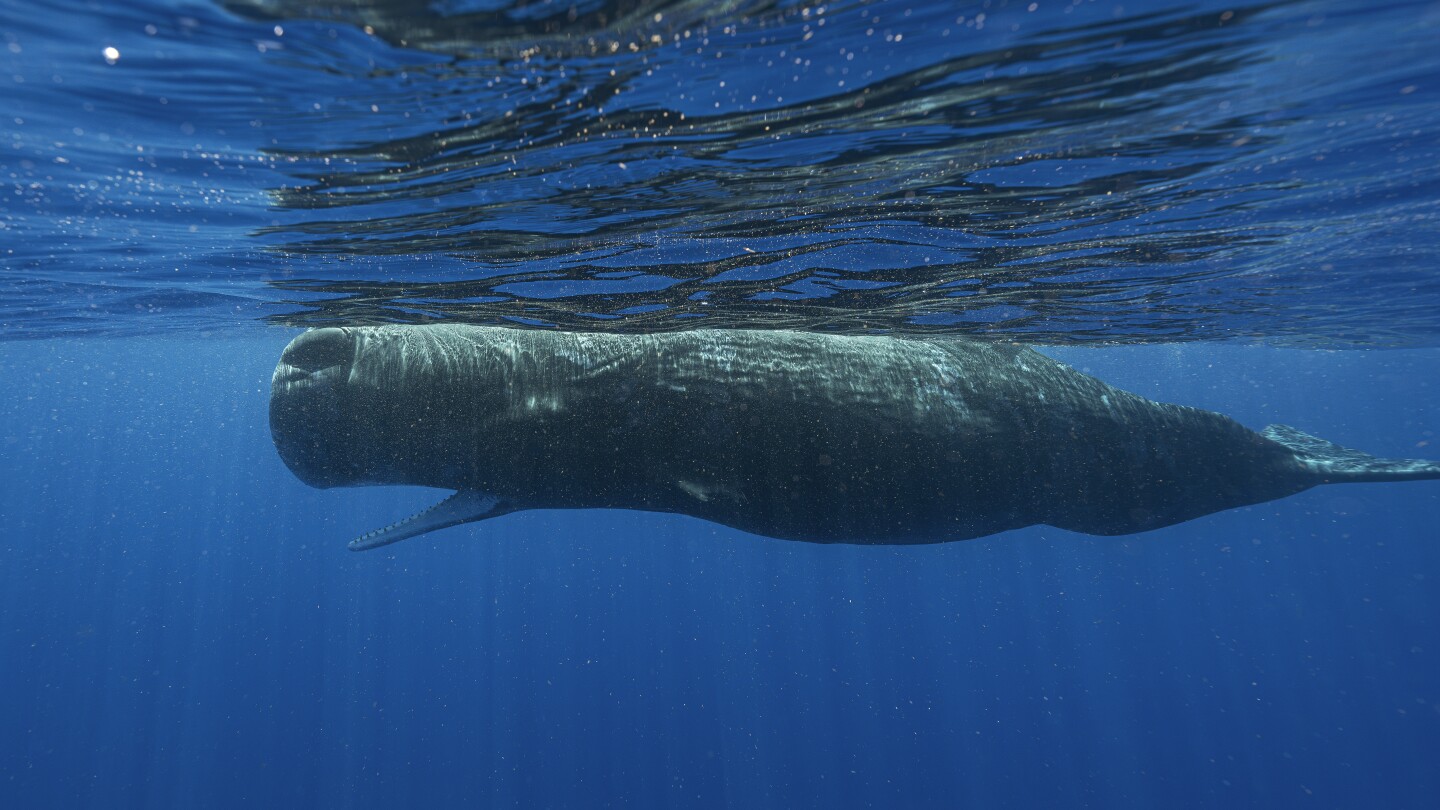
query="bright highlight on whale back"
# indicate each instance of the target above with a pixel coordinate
(800, 436)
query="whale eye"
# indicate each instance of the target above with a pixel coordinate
(320, 349)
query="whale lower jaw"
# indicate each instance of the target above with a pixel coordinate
(465, 506)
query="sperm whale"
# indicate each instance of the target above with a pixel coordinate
(793, 435)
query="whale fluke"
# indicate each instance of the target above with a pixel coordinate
(1336, 464)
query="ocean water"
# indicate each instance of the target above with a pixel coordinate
(1235, 207)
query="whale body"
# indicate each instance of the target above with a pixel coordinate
(793, 435)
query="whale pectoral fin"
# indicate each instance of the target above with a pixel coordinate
(464, 506)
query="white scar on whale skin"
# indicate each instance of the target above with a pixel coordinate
(822, 438)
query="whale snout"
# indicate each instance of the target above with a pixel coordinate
(306, 405)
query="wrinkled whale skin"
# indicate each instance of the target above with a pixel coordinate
(792, 435)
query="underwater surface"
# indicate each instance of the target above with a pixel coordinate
(1231, 206)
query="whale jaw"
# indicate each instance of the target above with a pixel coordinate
(465, 506)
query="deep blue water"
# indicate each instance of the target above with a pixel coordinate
(183, 627)
(1206, 187)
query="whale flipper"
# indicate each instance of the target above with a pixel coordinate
(1336, 464)
(465, 506)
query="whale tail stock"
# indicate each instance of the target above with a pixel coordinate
(1335, 464)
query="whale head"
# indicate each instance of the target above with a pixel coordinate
(311, 409)
(382, 405)
(360, 406)
(352, 407)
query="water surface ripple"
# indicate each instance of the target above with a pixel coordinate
(1049, 172)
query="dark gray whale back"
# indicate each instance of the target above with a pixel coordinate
(792, 435)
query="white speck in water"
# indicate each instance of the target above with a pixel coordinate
(112, 54)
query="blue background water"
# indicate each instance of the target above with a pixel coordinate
(180, 625)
